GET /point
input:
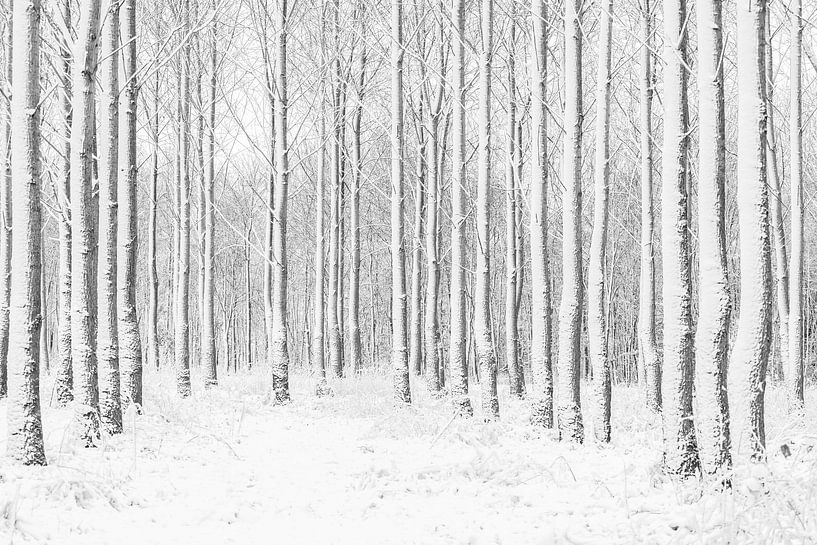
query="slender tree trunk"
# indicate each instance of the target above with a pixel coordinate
(24, 441)
(680, 450)
(482, 297)
(457, 315)
(781, 265)
(794, 378)
(153, 273)
(400, 367)
(596, 312)
(416, 325)
(540, 357)
(515, 378)
(712, 334)
(5, 228)
(110, 407)
(356, 354)
(208, 329)
(280, 352)
(335, 341)
(570, 312)
(648, 346)
(182, 333)
(83, 249)
(432, 328)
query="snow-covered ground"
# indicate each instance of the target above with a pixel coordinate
(228, 467)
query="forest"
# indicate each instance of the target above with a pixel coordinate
(407, 271)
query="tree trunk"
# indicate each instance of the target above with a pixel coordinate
(416, 324)
(794, 378)
(153, 273)
(318, 360)
(648, 346)
(335, 341)
(208, 329)
(280, 352)
(110, 408)
(596, 312)
(5, 231)
(570, 311)
(182, 333)
(355, 348)
(24, 442)
(457, 328)
(83, 249)
(680, 450)
(712, 334)
(540, 357)
(400, 368)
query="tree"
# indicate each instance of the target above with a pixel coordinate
(794, 372)
(110, 408)
(712, 334)
(571, 427)
(751, 354)
(280, 351)
(83, 243)
(335, 292)
(5, 214)
(482, 295)
(650, 359)
(541, 363)
(680, 449)
(457, 329)
(400, 368)
(24, 442)
(596, 313)
(182, 324)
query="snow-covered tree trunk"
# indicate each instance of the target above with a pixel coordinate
(208, 326)
(5, 233)
(781, 265)
(355, 347)
(458, 364)
(83, 248)
(712, 334)
(416, 322)
(484, 345)
(110, 407)
(650, 359)
(571, 427)
(432, 326)
(153, 272)
(794, 378)
(540, 357)
(182, 325)
(596, 311)
(400, 368)
(680, 449)
(24, 441)
(280, 350)
(751, 353)
(515, 377)
(333, 320)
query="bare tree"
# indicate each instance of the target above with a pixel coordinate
(208, 327)
(5, 218)
(712, 334)
(24, 442)
(570, 312)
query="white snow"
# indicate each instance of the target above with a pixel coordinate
(228, 467)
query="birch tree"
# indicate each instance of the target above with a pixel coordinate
(541, 363)
(596, 313)
(400, 369)
(650, 359)
(24, 441)
(794, 375)
(712, 334)
(110, 408)
(680, 449)
(458, 365)
(83, 243)
(571, 427)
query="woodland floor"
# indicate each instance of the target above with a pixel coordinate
(227, 467)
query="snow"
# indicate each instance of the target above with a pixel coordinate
(226, 466)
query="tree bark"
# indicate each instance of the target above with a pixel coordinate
(5, 227)
(356, 355)
(570, 312)
(83, 249)
(110, 408)
(712, 334)
(24, 443)
(208, 328)
(596, 311)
